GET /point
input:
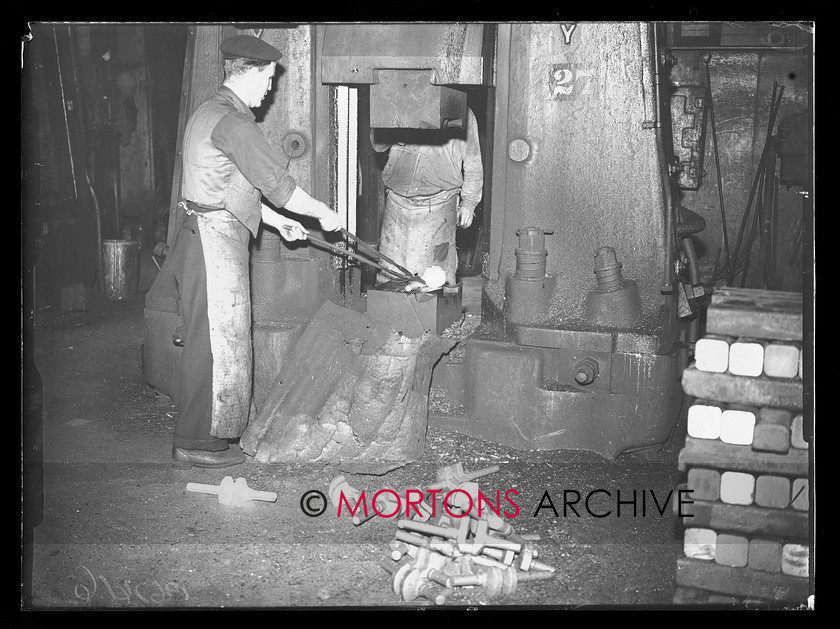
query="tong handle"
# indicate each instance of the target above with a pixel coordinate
(346, 252)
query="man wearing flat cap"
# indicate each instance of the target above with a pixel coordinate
(228, 168)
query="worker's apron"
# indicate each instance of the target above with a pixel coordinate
(420, 234)
(225, 241)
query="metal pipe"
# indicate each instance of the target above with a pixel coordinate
(100, 270)
(648, 96)
(757, 215)
(668, 271)
(687, 245)
(757, 230)
(690, 251)
(64, 112)
(707, 58)
(776, 100)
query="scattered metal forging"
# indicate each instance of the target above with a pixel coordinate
(339, 486)
(469, 548)
(497, 581)
(410, 583)
(398, 549)
(448, 477)
(385, 503)
(233, 493)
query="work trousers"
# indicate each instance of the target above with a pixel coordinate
(194, 428)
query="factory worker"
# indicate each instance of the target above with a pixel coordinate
(433, 181)
(227, 167)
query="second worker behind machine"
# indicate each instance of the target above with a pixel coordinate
(433, 182)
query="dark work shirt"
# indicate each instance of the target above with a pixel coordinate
(449, 165)
(238, 136)
(223, 149)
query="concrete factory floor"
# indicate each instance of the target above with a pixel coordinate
(121, 531)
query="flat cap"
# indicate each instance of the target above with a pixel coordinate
(249, 47)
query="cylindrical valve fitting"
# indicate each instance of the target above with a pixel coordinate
(531, 254)
(586, 371)
(608, 270)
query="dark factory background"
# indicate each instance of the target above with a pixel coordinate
(100, 167)
(101, 107)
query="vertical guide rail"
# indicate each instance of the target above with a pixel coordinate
(353, 157)
(347, 177)
(186, 84)
(348, 158)
(342, 108)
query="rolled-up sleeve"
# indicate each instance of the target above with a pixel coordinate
(245, 145)
(473, 186)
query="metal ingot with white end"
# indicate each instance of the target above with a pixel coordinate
(699, 543)
(772, 430)
(799, 498)
(781, 360)
(797, 436)
(772, 491)
(704, 420)
(795, 560)
(732, 550)
(746, 358)
(737, 426)
(704, 483)
(765, 555)
(711, 353)
(737, 488)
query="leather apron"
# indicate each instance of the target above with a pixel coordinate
(225, 241)
(420, 233)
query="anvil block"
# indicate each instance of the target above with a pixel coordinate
(412, 314)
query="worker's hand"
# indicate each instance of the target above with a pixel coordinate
(465, 216)
(290, 230)
(329, 221)
(301, 202)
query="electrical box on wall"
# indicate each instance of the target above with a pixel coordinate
(792, 146)
(711, 35)
(688, 126)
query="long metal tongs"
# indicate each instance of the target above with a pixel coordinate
(401, 273)
(374, 252)
(346, 252)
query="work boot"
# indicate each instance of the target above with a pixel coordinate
(207, 458)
